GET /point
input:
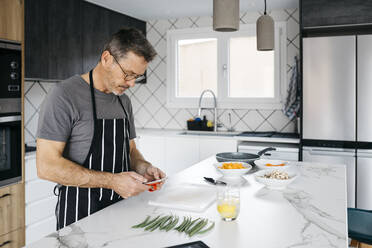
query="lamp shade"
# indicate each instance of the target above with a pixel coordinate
(225, 15)
(265, 33)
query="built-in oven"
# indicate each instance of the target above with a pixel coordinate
(10, 112)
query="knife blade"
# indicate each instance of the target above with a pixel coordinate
(215, 182)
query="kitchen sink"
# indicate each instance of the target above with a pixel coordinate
(210, 133)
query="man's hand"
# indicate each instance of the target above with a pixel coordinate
(128, 184)
(153, 173)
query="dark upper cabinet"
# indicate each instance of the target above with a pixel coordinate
(36, 38)
(321, 13)
(95, 33)
(65, 54)
(66, 37)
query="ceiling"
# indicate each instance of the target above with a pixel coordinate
(162, 9)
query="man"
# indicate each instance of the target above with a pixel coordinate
(86, 131)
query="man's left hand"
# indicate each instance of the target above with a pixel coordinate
(153, 173)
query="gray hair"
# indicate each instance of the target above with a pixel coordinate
(130, 40)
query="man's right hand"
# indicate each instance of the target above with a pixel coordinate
(128, 184)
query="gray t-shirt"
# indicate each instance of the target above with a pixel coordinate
(67, 115)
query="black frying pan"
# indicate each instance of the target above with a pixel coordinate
(241, 156)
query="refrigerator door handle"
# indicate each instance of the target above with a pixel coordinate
(327, 152)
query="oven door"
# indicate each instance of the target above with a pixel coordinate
(10, 150)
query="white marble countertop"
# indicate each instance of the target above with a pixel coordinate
(310, 212)
(174, 132)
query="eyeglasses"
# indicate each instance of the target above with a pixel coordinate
(127, 76)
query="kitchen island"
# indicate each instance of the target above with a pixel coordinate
(310, 212)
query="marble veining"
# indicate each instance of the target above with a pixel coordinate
(310, 212)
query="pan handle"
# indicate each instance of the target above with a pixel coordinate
(260, 153)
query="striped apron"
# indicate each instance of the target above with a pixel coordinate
(109, 151)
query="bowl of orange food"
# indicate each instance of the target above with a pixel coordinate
(233, 169)
(271, 164)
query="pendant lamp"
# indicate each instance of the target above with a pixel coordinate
(265, 32)
(225, 15)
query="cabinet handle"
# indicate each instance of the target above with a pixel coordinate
(5, 243)
(5, 195)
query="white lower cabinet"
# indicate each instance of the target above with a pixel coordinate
(152, 148)
(180, 153)
(40, 203)
(175, 153)
(211, 146)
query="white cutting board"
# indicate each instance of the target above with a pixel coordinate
(189, 197)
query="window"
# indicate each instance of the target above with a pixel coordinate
(228, 64)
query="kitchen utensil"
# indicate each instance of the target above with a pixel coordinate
(189, 197)
(275, 183)
(215, 182)
(233, 172)
(228, 202)
(271, 164)
(241, 156)
(154, 184)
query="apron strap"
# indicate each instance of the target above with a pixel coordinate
(125, 112)
(92, 96)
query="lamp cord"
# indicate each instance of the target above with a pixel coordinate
(265, 8)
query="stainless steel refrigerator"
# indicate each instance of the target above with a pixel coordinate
(337, 109)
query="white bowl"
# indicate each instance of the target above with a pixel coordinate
(261, 164)
(233, 172)
(275, 183)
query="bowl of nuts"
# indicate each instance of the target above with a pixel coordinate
(275, 178)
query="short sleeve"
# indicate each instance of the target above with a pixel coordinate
(56, 117)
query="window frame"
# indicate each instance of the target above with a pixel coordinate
(223, 100)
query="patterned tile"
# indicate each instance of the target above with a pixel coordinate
(36, 94)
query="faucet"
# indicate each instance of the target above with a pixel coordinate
(215, 107)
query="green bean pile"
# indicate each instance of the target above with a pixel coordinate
(169, 222)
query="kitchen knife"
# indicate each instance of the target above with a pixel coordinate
(215, 182)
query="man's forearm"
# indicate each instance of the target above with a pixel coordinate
(138, 162)
(66, 172)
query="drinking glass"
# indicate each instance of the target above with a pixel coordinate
(228, 202)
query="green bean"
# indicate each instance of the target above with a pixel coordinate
(167, 222)
(142, 223)
(159, 223)
(198, 227)
(151, 221)
(195, 226)
(174, 223)
(191, 224)
(154, 223)
(183, 222)
(186, 225)
(207, 229)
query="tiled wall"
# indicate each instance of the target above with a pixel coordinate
(149, 100)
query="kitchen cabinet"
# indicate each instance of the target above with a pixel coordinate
(11, 208)
(180, 153)
(211, 146)
(36, 38)
(95, 33)
(13, 239)
(40, 203)
(64, 38)
(11, 20)
(153, 150)
(322, 13)
(336, 156)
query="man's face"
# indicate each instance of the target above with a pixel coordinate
(132, 66)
